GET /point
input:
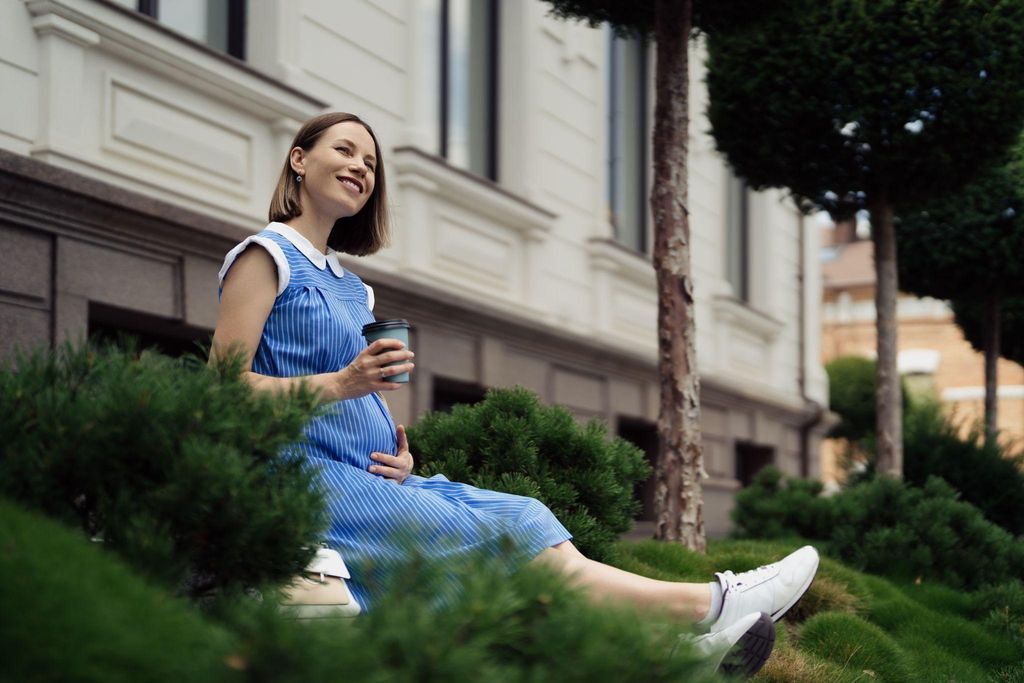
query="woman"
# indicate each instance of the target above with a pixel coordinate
(297, 315)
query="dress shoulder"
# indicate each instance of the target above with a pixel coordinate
(272, 247)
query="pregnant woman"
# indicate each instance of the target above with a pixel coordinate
(296, 316)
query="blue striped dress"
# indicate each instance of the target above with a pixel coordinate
(315, 326)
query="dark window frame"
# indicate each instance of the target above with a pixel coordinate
(643, 111)
(743, 241)
(236, 23)
(492, 94)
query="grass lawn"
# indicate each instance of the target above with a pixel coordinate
(852, 626)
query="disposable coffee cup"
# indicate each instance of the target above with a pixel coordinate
(389, 329)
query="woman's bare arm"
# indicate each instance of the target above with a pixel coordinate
(248, 294)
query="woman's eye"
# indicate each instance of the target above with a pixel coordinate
(343, 150)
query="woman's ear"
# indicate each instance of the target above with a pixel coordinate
(297, 159)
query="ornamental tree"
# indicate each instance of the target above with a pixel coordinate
(969, 316)
(879, 105)
(678, 497)
(968, 246)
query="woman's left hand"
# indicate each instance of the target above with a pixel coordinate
(396, 467)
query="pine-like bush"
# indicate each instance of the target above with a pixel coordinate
(985, 473)
(775, 507)
(510, 442)
(176, 466)
(886, 527)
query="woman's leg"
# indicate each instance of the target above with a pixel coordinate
(771, 589)
(689, 601)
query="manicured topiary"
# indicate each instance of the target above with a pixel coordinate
(72, 612)
(510, 442)
(176, 466)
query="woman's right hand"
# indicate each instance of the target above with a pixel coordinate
(367, 374)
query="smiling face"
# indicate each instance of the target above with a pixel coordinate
(338, 171)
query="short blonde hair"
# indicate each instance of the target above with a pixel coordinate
(359, 235)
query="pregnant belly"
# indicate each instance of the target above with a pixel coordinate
(348, 431)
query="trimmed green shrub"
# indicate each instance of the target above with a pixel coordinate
(74, 613)
(886, 527)
(510, 442)
(774, 507)
(178, 467)
(851, 395)
(854, 643)
(1001, 607)
(985, 474)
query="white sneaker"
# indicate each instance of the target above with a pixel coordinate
(771, 589)
(740, 649)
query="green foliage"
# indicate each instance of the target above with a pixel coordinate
(850, 641)
(1001, 607)
(885, 527)
(851, 394)
(967, 245)
(524, 626)
(73, 613)
(178, 467)
(510, 442)
(985, 474)
(631, 18)
(859, 627)
(970, 317)
(847, 102)
(773, 507)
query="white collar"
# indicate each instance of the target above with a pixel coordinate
(318, 259)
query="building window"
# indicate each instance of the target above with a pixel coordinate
(469, 78)
(217, 23)
(627, 140)
(643, 435)
(751, 459)
(449, 393)
(123, 327)
(737, 237)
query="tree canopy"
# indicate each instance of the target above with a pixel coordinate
(879, 105)
(968, 245)
(970, 316)
(628, 17)
(838, 100)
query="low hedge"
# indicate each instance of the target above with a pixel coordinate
(886, 527)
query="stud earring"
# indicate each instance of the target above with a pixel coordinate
(298, 178)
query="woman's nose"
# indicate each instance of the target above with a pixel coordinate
(358, 167)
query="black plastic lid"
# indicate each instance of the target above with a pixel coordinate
(395, 324)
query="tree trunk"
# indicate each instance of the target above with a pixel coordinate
(888, 400)
(678, 498)
(992, 334)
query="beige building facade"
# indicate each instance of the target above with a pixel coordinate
(934, 359)
(140, 141)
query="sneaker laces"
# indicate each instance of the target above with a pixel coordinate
(730, 579)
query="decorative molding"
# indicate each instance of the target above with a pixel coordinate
(142, 124)
(138, 39)
(735, 313)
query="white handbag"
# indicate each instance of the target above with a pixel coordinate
(320, 591)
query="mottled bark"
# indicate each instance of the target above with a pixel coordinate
(678, 499)
(889, 403)
(991, 337)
